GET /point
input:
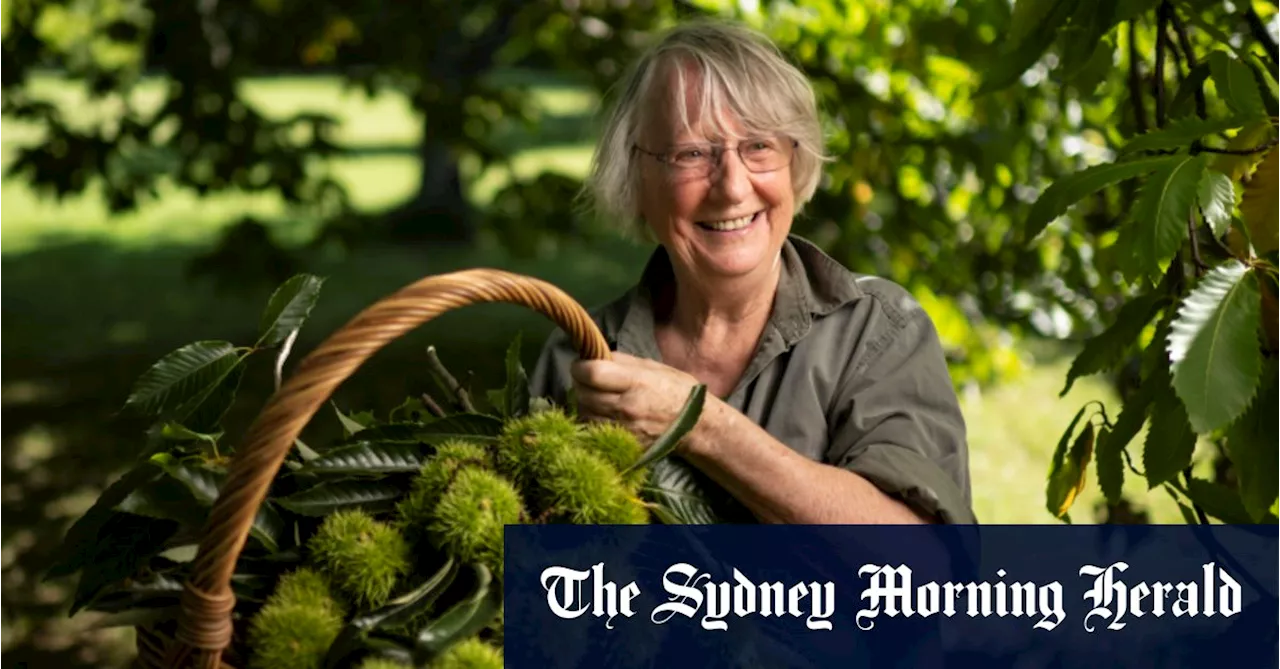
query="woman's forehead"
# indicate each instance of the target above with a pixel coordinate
(679, 111)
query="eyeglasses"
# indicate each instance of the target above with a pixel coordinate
(696, 161)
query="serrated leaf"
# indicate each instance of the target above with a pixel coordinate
(1269, 88)
(1179, 134)
(1218, 501)
(1105, 350)
(680, 496)
(78, 546)
(1061, 475)
(1251, 136)
(1251, 445)
(1109, 462)
(1193, 82)
(1170, 442)
(469, 426)
(1158, 220)
(516, 393)
(204, 483)
(288, 308)
(1213, 347)
(168, 499)
(204, 412)
(1070, 189)
(125, 543)
(148, 591)
(182, 375)
(1260, 205)
(668, 440)
(326, 498)
(1236, 85)
(371, 458)
(350, 425)
(1217, 198)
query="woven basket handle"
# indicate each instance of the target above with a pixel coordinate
(204, 625)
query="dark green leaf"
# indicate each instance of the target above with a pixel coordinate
(204, 483)
(1213, 347)
(1068, 190)
(1267, 85)
(1251, 445)
(396, 613)
(1218, 501)
(667, 441)
(125, 543)
(516, 393)
(1180, 133)
(329, 497)
(1110, 465)
(148, 591)
(166, 498)
(464, 619)
(79, 544)
(469, 426)
(183, 375)
(1187, 89)
(1158, 221)
(203, 413)
(1170, 442)
(371, 458)
(1236, 85)
(288, 308)
(1217, 198)
(1106, 349)
(351, 425)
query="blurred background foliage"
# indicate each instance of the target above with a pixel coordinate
(167, 163)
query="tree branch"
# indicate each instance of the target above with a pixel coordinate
(1135, 80)
(445, 379)
(1201, 268)
(1202, 108)
(1260, 33)
(1239, 152)
(1162, 36)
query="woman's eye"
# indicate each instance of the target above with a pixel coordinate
(689, 154)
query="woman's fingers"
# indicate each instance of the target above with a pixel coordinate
(601, 375)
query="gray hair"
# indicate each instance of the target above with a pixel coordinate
(734, 68)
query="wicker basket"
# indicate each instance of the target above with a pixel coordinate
(204, 635)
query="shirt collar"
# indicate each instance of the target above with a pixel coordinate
(811, 284)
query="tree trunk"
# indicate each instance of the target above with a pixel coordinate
(439, 211)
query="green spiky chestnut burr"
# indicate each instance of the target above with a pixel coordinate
(469, 654)
(417, 509)
(468, 522)
(382, 663)
(364, 557)
(296, 625)
(617, 446)
(528, 444)
(583, 489)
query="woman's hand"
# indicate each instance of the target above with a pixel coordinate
(642, 395)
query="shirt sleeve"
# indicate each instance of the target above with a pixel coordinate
(897, 420)
(550, 376)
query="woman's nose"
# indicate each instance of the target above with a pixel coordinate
(732, 178)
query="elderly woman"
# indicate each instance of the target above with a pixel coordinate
(829, 401)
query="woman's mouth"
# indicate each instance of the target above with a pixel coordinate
(731, 224)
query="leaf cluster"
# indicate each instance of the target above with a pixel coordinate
(385, 545)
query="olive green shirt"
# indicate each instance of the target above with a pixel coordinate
(849, 372)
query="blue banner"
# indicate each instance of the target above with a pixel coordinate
(875, 596)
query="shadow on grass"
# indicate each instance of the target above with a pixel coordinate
(83, 320)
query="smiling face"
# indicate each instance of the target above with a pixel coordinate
(725, 225)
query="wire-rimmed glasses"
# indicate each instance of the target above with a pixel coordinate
(697, 161)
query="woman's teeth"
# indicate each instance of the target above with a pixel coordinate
(730, 225)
